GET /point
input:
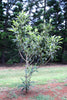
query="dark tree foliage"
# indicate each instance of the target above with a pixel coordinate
(57, 12)
(39, 10)
(8, 11)
(63, 3)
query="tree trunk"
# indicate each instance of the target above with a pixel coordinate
(45, 3)
(3, 58)
(7, 14)
(26, 77)
(64, 57)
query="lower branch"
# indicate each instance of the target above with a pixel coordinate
(47, 60)
(21, 56)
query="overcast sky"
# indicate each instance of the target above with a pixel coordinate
(4, 0)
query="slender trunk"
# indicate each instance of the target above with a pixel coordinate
(3, 58)
(45, 3)
(6, 20)
(64, 59)
(26, 78)
(29, 9)
(5, 30)
(41, 58)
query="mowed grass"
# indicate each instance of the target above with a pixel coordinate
(12, 77)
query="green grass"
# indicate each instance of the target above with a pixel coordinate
(11, 77)
(65, 84)
(43, 97)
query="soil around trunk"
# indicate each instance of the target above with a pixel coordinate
(58, 91)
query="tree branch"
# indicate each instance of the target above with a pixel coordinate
(31, 62)
(22, 56)
(30, 57)
(47, 60)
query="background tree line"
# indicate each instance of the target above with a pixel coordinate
(39, 10)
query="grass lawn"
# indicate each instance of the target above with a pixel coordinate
(12, 77)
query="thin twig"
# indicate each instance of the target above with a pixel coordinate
(30, 57)
(21, 56)
(47, 60)
(31, 62)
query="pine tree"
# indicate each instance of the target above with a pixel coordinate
(2, 33)
(8, 12)
(55, 13)
(63, 3)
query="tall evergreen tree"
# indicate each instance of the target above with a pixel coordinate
(34, 9)
(2, 32)
(55, 13)
(63, 4)
(8, 11)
